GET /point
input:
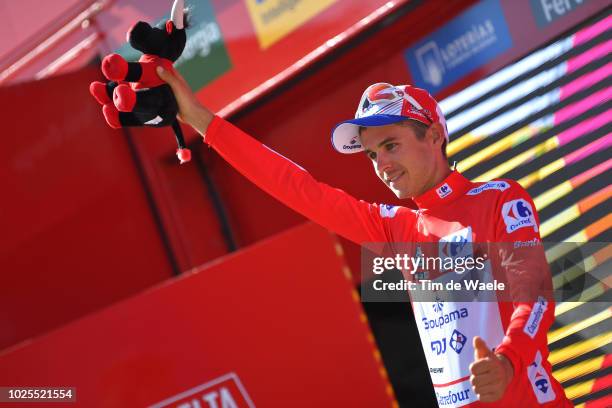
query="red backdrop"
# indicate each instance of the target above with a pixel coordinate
(280, 315)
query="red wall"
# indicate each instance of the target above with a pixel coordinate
(264, 325)
(77, 231)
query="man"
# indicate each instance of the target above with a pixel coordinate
(403, 132)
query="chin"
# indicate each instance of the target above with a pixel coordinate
(402, 195)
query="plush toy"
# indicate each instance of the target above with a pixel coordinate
(135, 95)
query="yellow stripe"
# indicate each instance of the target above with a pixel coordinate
(588, 294)
(580, 369)
(569, 274)
(463, 142)
(550, 196)
(579, 389)
(587, 265)
(554, 223)
(542, 173)
(566, 307)
(577, 349)
(570, 329)
(505, 143)
(562, 248)
(559, 250)
(516, 161)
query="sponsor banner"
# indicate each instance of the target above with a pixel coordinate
(464, 44)
(274, 19)
(205, 56)
(223, 392)
(548, 11)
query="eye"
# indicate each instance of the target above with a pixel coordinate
(390, 146)
(372, 155)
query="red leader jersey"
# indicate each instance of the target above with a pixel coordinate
(496, 211)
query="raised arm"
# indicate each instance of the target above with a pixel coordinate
(289, 183)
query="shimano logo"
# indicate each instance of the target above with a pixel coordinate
(355, 146)
(445, 318)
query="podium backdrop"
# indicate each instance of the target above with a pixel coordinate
(275, 325)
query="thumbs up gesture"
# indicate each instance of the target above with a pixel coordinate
(491, 373)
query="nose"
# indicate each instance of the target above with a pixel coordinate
(382, 162)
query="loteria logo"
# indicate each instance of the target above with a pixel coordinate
(223, 392)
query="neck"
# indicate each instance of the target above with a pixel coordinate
(439, 175)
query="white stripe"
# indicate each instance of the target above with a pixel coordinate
(413, 101)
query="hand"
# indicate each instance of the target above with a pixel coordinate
(190, 109)
(491, 373)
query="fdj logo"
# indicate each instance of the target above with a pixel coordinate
(438, 346)
(457, 341)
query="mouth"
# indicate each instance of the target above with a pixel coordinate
(394, 178)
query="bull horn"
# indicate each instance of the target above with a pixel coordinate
(177, 13)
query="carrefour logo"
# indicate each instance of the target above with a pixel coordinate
(444, 190)
(518, 214)
(456, 244)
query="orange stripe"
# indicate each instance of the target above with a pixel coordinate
(598, 226)
(591, 201)
(603, 254)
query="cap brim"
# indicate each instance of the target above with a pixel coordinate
(345, 136)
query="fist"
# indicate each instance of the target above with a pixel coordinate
(490, 373)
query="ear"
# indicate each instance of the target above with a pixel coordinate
(137, 35)
(436, 133)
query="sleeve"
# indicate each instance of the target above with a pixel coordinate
(332, 208)
(523, 261)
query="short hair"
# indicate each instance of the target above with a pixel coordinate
(419, 129)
